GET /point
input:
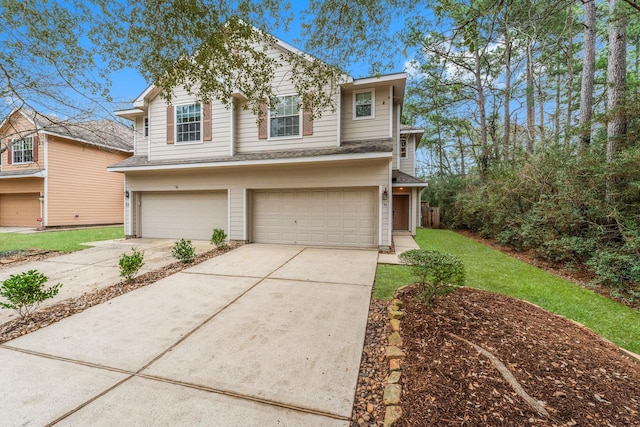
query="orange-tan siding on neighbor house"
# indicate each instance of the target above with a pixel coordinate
(81, 191)
(16, 127)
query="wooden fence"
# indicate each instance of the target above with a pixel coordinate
(430, 215)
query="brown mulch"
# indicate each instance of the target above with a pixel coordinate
(580, 378)
(51, 314)
(21, 257)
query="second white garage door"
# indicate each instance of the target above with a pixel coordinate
(188, 215)
(322, 217)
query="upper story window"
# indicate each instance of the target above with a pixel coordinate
(403, 146)
(188, 123)
(146, 126)
(284, 119)
(22, 150)
(364, 104)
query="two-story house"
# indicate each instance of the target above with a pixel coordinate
(54, 172)
(344, 179)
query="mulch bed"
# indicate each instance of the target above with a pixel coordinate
(581, 378)
(13, 258)
(51, 314)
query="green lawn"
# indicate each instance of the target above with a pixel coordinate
(66, 241)
(494, 271)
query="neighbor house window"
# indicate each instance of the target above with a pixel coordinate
(363, 104)
(284, 119)
(403, 146)
(188, 123)
(146, 126)
(22, 151)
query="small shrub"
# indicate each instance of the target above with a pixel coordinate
(131, 264)
(24, 292)
(218, 238)
(438, 273)
(184, 251)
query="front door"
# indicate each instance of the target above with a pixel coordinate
(400, 211)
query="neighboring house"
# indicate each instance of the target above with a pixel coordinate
(54, 172)
(344, 179)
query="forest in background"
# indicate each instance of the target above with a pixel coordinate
(531, 112)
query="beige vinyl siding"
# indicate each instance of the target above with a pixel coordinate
(362, 173)
(160, 150)
(407, 165)
(79, 184)
(325, 128)
(362, 129)
(141, 145)
(16, 127)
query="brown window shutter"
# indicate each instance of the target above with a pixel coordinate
(9, 153)
(35, 148)
(262, 121)
(206, 122)
(307, 117)
(170, 124)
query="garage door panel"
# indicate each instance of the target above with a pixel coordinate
(188, 215)
(329, 217)
(19, 210)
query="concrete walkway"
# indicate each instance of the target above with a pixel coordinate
(95, 267)
(403, 242)
(263, 335)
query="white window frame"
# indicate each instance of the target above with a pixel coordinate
(404, 139)
(145, 126)
(373, 104)
(299, 135)
(175, 124)
(14, 144)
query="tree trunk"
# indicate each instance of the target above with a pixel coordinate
(484, 155)
(531, 112)
(507, 92)
(570, 75)
(616, 82)
(588, 71)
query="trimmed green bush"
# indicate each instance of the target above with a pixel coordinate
(438, 273)
(184, 251)
(25, 291)
(218, 238)
(131, 264)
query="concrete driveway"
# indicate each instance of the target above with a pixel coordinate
(264, 335)
(95, 267)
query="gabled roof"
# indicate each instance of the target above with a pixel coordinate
(101, 133)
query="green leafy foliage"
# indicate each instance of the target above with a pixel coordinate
(218, 238)
(438, 273)
(25, 291)
(184, 251)
(131, 264)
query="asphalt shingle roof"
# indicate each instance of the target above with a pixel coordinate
(353, 147)
(399, 177)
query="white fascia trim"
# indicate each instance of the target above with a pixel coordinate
(391, 111)
(339, 112)
(130, 112)
(380, 208)
(390, 207)
(366, 156)
(139, 101)
(35, 174)
(45, 219)
(244, 214)
(229, 214)
(414, 184)
(407, 131)
(385, 78)
(232, 129)
(84, 141)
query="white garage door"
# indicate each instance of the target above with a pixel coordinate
(323, 217)
(188, 215)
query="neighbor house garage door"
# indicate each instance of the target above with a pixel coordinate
(188, 215)
(19, 210)
(324, 217)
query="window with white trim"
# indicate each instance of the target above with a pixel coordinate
(403, 146)
(188, 123)
(22, 150)
(284, 119)
(146, 126)
(364, 104)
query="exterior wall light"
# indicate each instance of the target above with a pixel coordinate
(385, 194)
